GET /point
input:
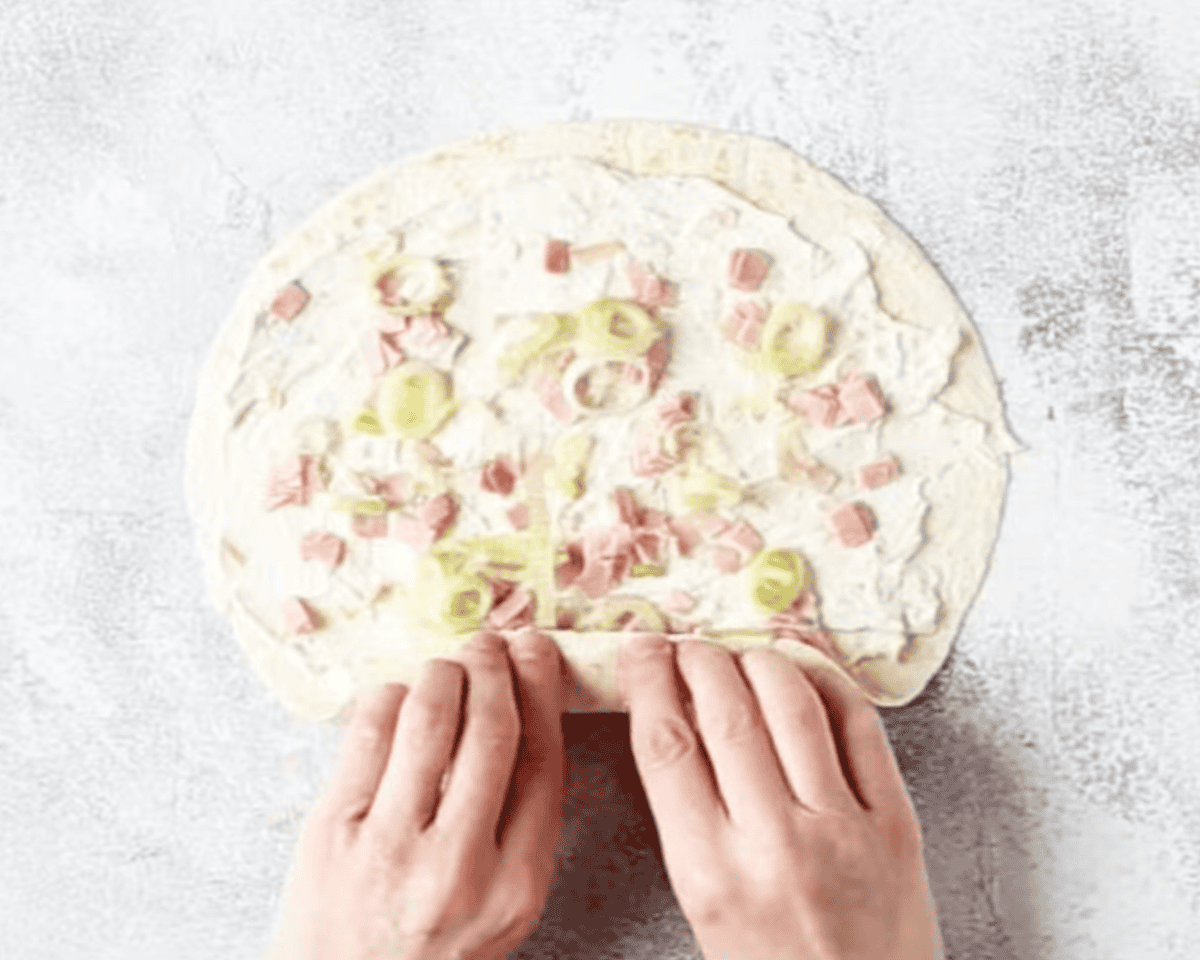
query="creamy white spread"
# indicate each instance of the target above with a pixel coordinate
(303, 382)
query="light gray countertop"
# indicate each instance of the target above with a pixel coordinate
(1045, 154)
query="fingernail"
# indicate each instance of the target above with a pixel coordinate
(528, 643)
(488, 641)
(646, 645)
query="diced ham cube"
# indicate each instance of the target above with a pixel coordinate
(742, 536)
(649, 289)
(748, 269)
(679, 601)
(878, 473)
(423, 331)
(293, 483)
(369, 525)
(518, 516)
(726, 559)
(408, 529)
(822, 477)
(515, 610)
(606, 560)
(558, 256)
(550, 392)
(709, 524)
(439, 513)
(860, 400)
(687, 535)
(325, 547)
(568, 571)
(853, 524)
(648, 458)
(629, 510)
(289, 302)
(676, 411)
(395, 488)
(563, 359)
(498, 476)
(430, 454)
(389, 289)
(744, 324)
(381, 352)
(820, 407)
(299, 617)
(657, 357)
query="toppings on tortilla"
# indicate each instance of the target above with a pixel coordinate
(498, 476)
(294, 483)
(325, 547)
(551, 332)
(550, 392)
(748, 269)
(624, 613)
(463, 602)
(650, 289)
(395, 489)
(412, 285)
(415, 400)
(368, 422)
(794, 339)
(679, 601)
(617, 328)
(518, 516)
(856, 400)
(657, 358)
(568, 472)
(744, 324)
(853, 524)
(558, 256)
(369, 525)
(515, 610)
(704, 490)
(289, 302)
(381, 351)
(734, 545)
(777, 577)
(428, 523)
(299, 617)
(878, 473)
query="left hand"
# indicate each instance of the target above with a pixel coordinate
(391, 866)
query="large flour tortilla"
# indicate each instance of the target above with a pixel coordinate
(965, 503)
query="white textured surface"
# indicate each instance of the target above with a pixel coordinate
(1046, 157)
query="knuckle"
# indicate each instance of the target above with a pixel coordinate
(428, 718)
(533, 647)
(902, 833)
(666, 741)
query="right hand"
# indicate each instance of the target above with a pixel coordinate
(786, 829)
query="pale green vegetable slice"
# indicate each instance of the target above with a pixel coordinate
(368, 422)
(794, 339)
(362, 505)
(465, 602)
(415, 400)
(505, 553)
(614, 614)
(619, 327)
(705, 490)
(568, 474)
(553, 330)
(648, 570)
(777, 577)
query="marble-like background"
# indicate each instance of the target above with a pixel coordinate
(1046, 154)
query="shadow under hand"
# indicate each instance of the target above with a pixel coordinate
(611, 897)
(978, 814)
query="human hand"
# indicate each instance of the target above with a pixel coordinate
(786, 828)
(416, 851)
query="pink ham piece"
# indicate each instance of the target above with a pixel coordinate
(860, 400)
(735, 545)
(748, 269)
(679, 601)
(439, 513)
(550, 392)
(369, 525)
(561, 360)
(853, 524)
(558, 256)
(822, 477)
(293, 483)
(498, 476)
(606, 561)
(687, 535)
(518, 516)
(657, 357)
(395, 488)
(289, 302)
(389, 290)
(408, 529)
(567, 572)
(423, 331)
(325, 547)
(381, 352)
(878, 473)
(820, 407)
(744, 324)
(515, 610)
(783, 626)
(648, 458)
(299, 617)
(649, 289)
(430, 454)
(676, 411)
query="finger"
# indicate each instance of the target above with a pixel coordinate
(679, 785)
(863, 746)
(529, 822)
(365, 748)
(424, 743)
(799, 724)
(735, 738)
(483, 766)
